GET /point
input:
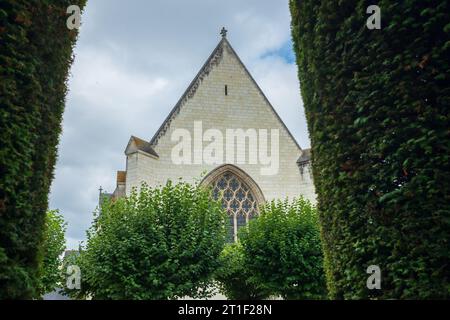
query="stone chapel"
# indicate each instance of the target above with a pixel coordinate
(223, 132)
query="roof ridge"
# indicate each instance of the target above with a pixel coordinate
(264, 96)
(213, 59)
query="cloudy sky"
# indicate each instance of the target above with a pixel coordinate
(134, 60)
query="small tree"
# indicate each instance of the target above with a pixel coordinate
(52, 248)
(233, 275)
(282, 250)
(158, 243)
(73, 258)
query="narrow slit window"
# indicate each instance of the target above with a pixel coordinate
(226, 90)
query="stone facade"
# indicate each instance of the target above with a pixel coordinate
(222, 96)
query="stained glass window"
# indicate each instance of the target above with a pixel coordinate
(237, 198)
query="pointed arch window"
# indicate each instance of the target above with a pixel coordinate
(238, 199)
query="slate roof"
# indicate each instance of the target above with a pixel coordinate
(305, 157)
(141, 145)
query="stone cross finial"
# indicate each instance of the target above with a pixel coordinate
(223, 32)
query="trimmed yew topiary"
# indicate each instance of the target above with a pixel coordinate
(377, 104)
(35, 57)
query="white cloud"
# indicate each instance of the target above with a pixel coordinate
(102, 81)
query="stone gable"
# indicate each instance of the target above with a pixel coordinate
(222, 96)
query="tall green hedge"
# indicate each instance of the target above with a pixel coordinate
(377, 104)
(35, 56)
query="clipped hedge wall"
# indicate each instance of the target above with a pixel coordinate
(377, 105)
(35, 56)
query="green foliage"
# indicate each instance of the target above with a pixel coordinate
(35, 56)
(160, 243)
(53, 247)
(283, 252)
(73, 258)
(233, 275)
(377, 105)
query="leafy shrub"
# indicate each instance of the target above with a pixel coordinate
(35, 56)
(377, 104)
(233, 275)
(158, 243)
(52, 248)
(282, 251)
(73, 258)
